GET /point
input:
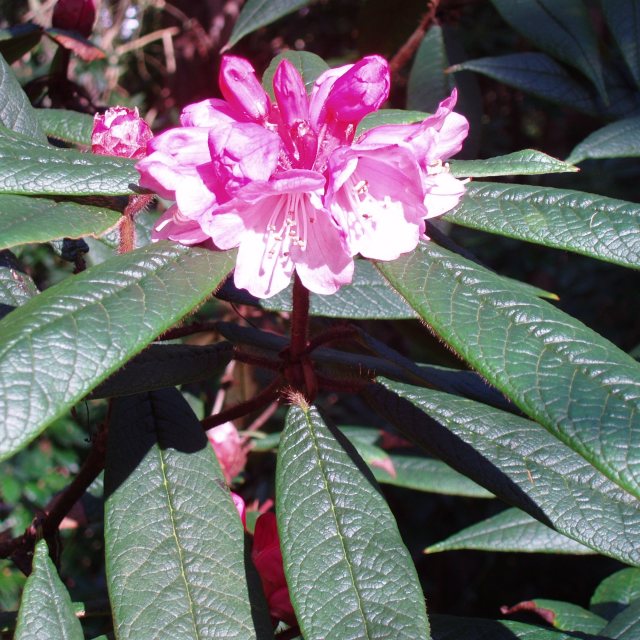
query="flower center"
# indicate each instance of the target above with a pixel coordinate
(288, 225)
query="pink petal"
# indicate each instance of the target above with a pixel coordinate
(386, 464)
(443, 192)
(242, 89)
(241, 507)
(290, 93)
(321, 89)
(170, 226)
(210, 113)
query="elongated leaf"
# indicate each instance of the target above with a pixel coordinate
(428, 84)
(16, 41)
(16, 112)
(174, 541)
(349, 574)
(527, 162)
(564, 616)
(616, 592)
(16, 287)
(616, 140)
(389, 116)
(511, 530)
(89, 325)
(35, 169)
(309, 65)
(534, 73)
(585, 223)
(259, 13)
(562, 29)
(46, 611)
(581, 387)
(65, 125)
(24, 220)
(520, 462)
(626, 625)
(623, 19)
(166, 365)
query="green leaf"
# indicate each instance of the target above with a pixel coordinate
(166, 365)
(65, 125)
(259, 13)
(389, 116)
(89, 325)
(174, 551)
(16, 41)
(616, 592)
(534, 73)
(38, 169)
(16, 112)
(16, 287)
(584, 223)
(562, 29)
(309, 65)
(511, 530)
(626, 625)
(46, 611)
(564, 616)
(520, 462)
(616, 140)
(336, 530)
(24, 220)
(623, 19)
(527, 162)
(578, 385)
(428, 84)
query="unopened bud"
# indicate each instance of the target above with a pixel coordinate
(120, 132)
(74, 15)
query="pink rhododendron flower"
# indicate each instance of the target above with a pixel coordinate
(120, 131)
(74, 15)
(228, 445)
(267, 558)
(286, 183)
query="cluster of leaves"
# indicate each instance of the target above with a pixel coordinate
(548, 424)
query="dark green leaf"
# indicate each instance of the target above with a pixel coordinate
(626, 625)
(16, 112)
(259, 13)
(309, 65)
(535, 73)
(616, 592)
(16, 287)
(562, 29)
(16, 41)
(175, 555)
(428, 84)
(24, 220)
(33, 169)
(46, 611)
(520, 462)
(511, 530)
(585, 223)
(65, 125)
(564, 616)
(89, 325)
(527, 162)
(581, 387)
(389, 116)
(166, 365)
(616, 140)
(623, 18)
(339, 537)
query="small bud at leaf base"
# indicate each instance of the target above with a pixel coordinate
(227, 444)
(74, 15)
(120, 132)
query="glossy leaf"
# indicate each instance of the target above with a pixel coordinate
(16, 287)
(348, 572)
(534, 73)
(24, 220)
(91, 324)
(585, 223)
(564, 616)
(46, 611)
(623, 20)
(527, 162)
(309, 65)
(520, 462)
(389, 116)
(174, 541)
(16, 112)
(259, 13)
(616, 592)
(33, 169)
(17, 40)
(65, 125)
(619, 139)
(511, 530)
(578, 385)
(626, 625)
(562, 29)
(428, 84)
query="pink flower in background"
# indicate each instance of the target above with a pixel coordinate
(74, 15)
(228, 445)
(241, 507)
(120, 132)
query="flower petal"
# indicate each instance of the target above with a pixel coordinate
(290, 94)
(170, 226)
(443, 192)
(242, 89)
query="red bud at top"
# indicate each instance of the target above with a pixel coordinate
(120, 132)
(74, 15)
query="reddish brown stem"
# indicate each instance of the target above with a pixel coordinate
(258, 361)
(332, 334)
(299, 320)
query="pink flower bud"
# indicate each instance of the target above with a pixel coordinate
(227, 444)
(242, 89)
(241, 507)
(120, 132)
(74, 15)
(267, 558)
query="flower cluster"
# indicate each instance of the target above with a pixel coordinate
(121, 132)
(290, 185)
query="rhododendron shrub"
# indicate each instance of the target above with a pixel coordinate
(274, 314)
